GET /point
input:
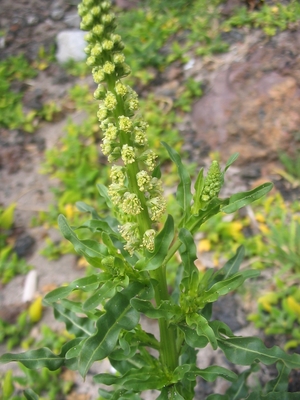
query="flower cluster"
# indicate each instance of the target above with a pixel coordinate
(137, 195)
(212, 183)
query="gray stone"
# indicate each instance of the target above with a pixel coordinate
(57, 14)
(70, 46)
(72, 20)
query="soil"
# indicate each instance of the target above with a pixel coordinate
(251, 104)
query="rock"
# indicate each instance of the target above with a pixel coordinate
(23, 245)
(70, 46)
(72, 20)
(252, 103)
(57, 14)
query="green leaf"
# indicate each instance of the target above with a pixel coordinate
(218, 397)
(280, 383)
(211, 373)
(165, 310)
(202, 328)
(145, 378)
(245, 351)
(274, 396)
(231, 160)
(119, 315)
(162, 243)
(86, 284)
(199, 184)
(90, 249)
(183, 195)
(7, 217)
(192, 338)
(35, 359)
(232, 266)
(77, 325)
(242, 199)
(103, 191)
(239, 389)
(30, 394)
(188, 253)
(96, 225)
(227, 285)
(104, 292)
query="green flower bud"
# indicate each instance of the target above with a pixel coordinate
(212, 182)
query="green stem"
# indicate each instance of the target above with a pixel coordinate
(168, 351)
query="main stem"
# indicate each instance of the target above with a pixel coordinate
(168, 351)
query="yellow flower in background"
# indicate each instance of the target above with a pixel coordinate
(235, 230)
(260, 217)
(70, 210)
(293, 305)
(264, 228)
(267, 300)
(204, 245)
(35, 310)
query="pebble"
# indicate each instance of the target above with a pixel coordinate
(70, 46)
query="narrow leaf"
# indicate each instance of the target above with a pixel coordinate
(87, 284)
(183, 195)
(188, 252)
(242, 199)
(119, 315)
(165, 310)
(77, 325)
(211, 373)
(231, 160)
(35, 359)
(274, 396)
(104, 292)
(245, 351)
(232, 266)
(102, 189)
(30, 394)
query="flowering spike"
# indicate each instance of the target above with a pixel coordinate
(135, 193)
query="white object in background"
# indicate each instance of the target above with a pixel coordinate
(70, 46)
(30, 286)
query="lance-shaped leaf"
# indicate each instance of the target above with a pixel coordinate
(86, 284)
(227, 285)
(166, 309)
(77, 325)
(211, 373)
(199, 184)
(96, 225)
(183, 195)
(245, 351)
(119, 315)
(146, 378)
(119, 394)
(232, 266)
(162, 243)
(103, 191)
(202, 328)
(188, 254)
(231, 160)
(239, 389)
(106, 291)
(242, 199)
(30, 394)
(280, 383)
(274, 396)
(35, 359)
(218, 397)
(88, 248)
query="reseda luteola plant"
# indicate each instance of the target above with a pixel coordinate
(131, 256)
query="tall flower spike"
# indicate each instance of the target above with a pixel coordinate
(135, 193)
